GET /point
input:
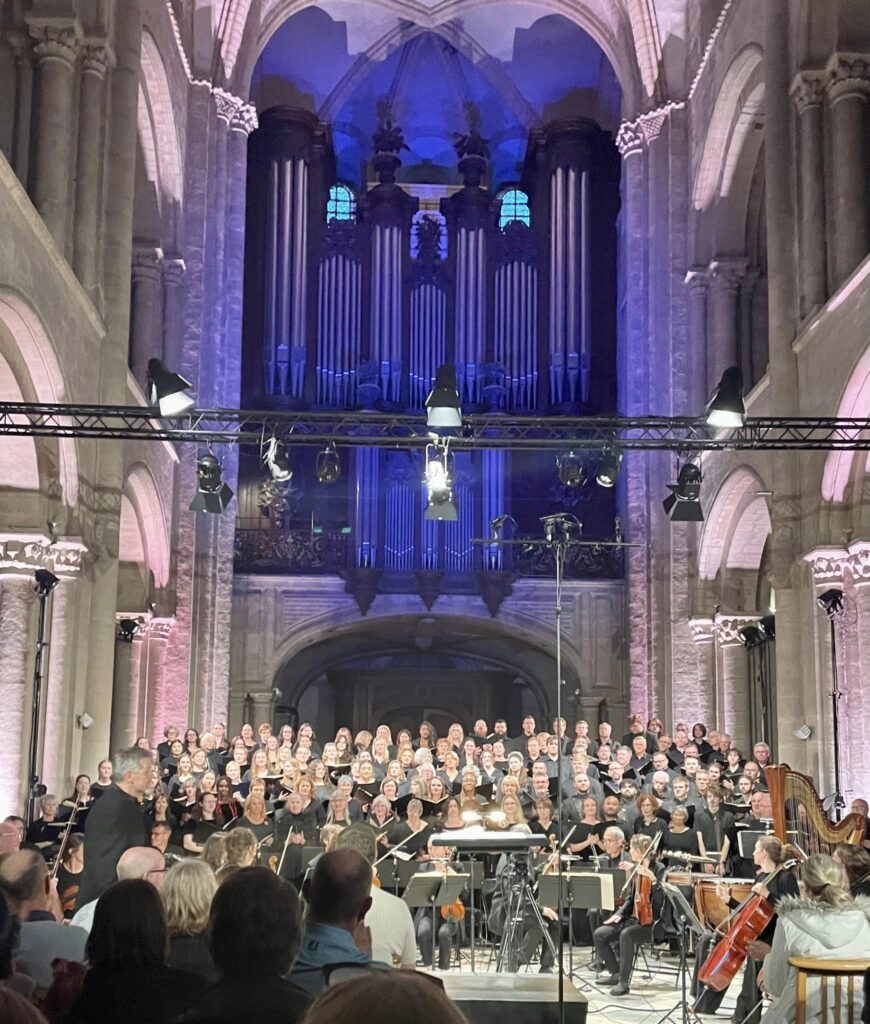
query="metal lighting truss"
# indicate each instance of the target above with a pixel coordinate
(248, 427)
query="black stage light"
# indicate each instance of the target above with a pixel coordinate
(167, 390)
(44, 582)
(768, 627)
(608, 471)
(442, 406)
(683, 504)
(571, 470)
(126, 629)
(726, 407)
(750, 636)
(328, 468)
(212, 495)
(831, 602)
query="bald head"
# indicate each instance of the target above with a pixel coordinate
(24, 880)
(340, 890)
(10, 837)
(141, 862)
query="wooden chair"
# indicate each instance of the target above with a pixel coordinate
(838, 972)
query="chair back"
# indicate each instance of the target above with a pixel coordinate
(836, 981)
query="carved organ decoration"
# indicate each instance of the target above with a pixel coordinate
(428, 303)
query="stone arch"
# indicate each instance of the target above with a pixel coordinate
(736, 525)
(159, 141)
(729, 122)
(855, 402)
(144, 502)
(34, 365)
(19, 459)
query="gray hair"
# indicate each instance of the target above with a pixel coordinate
(614, 833)
(128, 760)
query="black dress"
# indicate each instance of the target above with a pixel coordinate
(134, 995)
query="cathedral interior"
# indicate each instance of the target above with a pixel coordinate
(585, 209)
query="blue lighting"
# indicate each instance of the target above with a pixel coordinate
(514, 208)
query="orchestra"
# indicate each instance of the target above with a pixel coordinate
(690, 812)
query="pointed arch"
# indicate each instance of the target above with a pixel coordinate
(729, 538)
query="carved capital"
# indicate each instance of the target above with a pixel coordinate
(697, 279)
(146, 264)
(726, 272)
(727, 627)
(226, 105)
(848, 75)
(21, 44)
(244, 119)
(808, 89)
(174, 269)
(858, 563)
(703, 630)
(23, 553)
(56, 42)
(97, 57)
(630, 138)
(827, 565)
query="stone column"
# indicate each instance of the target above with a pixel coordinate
(751, 372)
(848, 89)
(726, 274)
(697, 282)
(22, 48)
(146, 314)
(808, 93)
(96, 60)
(16, 602)
(733, 682)
(173, 310)
(855, 702)
(700, 705)
(55, 50)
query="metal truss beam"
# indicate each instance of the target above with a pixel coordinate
(362, 429)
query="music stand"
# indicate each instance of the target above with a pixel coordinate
(432, 889)
(475, 881)
(687, 921)
(746, 841)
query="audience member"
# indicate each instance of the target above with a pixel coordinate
(137, 862)
(241, 847)
(15, 1009)
(128, 981)
(254, 932)
(187, 892)
(10, 934)
(379, 996)
(25, 882)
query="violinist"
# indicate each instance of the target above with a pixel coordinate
(45, 831)
(69, 873)
(79, 800)
(623, 929)
(612, 842)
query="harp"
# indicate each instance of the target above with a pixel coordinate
(799, 817)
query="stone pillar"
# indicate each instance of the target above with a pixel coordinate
(855, 702)
(96, 60)
(16, 602)
(146, 313)
(726, 274)
(848, 89)
(751, 372)
(808, 94)
(173, 310)
(59, 690)
(733, 696)
(22, 48)
(697, 282)
(52, 151)
(698, 703)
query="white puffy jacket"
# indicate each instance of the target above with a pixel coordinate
(807, 928)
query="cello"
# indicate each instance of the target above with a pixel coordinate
(743, 925)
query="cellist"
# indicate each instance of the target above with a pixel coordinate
(768, 855)
(632, 923)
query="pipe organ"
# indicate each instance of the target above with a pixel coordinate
(354, 296)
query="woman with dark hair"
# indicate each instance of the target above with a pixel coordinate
(80, 799)
(69, 873)
(128, 981)
(856, 860)
(378, 996)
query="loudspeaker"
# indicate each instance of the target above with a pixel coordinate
(514, 998)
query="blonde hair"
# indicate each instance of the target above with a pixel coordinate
(214, 851)
(240, 845)
(187, 892)
(825, 880)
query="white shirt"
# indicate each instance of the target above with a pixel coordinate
(84, 916)
(393, 939)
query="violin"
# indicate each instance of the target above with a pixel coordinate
(642, 909)
(742, 926)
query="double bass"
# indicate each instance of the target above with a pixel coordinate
(742, 926)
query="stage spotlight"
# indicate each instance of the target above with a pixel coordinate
(439, 486)
(750, 637)
(167, 390)
(683, 504)
(44, 582)
(442, 406)
(126, 629)
(212, 495)
(571, 470)
(608, 471)
(726, 407)
(328, 468)
(276, 455)
(768, 627)
(831, 602)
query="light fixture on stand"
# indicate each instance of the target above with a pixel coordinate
(726, 407)
(43, 584)
(212, 495)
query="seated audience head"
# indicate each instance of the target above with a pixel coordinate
(25, 883)
(214, 850)
(10, 837)
(360, 837)
(825, 880)
(856, 860)
(129, 926)
(187, 892)
(241, 847)
(255, 926)
(340, 890)
(860, 806)
(142, 862)
(378, 996)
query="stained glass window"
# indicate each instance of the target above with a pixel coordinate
(341, 205)
(514, 208)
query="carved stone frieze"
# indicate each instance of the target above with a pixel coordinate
(727, 627)
(56, 42)
(703, 630)
(808, 89)
(827, 565)
(848, 75)
(27, 552)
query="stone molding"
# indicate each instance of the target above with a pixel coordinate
(629, 139)
(858, 563)
(146, 263)
(808, 89)
(97, 57)
(827, 564)
(697, 279)
(703, 630)
(245, 119)
(848, 75)
(56, 42)
(644, 129)
(174, 269)
(728, 625)
(226, 105)
(726, 272)
(22, 553)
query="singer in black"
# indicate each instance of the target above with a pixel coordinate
(623, 931)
